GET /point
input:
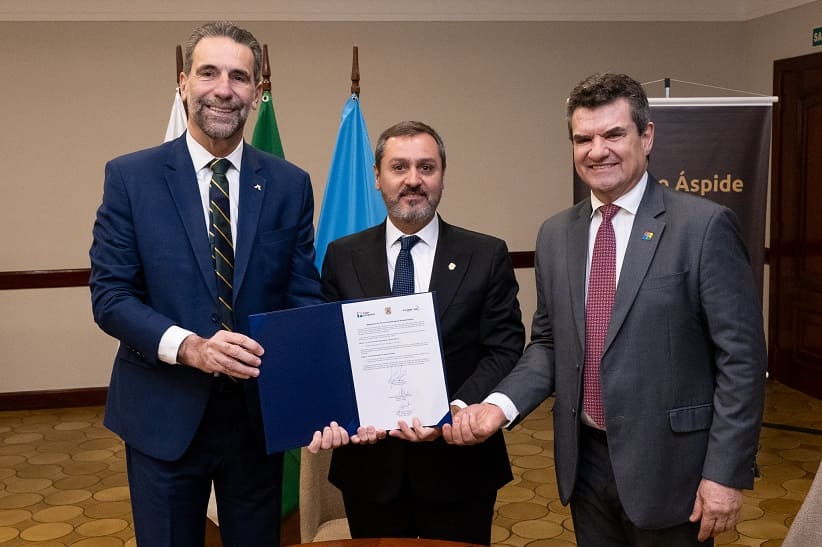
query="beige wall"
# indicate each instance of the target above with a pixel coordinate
(76, 94)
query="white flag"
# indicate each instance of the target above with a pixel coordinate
(177, 121)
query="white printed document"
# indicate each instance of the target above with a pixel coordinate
(396, 360)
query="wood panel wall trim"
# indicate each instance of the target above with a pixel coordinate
(522, 259)
(59, 398)
(52, 279)
(44, 279)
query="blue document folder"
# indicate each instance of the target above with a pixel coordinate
(305, 378)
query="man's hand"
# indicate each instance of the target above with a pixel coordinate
(718, 508)
(229, 353)
(332, 436)
(474, 424)
(415, 434)
(368, 435)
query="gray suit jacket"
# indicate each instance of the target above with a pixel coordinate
(684, 361)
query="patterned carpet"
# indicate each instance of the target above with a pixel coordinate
(529, 512)
(63, 481)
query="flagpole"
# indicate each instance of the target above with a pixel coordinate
(355, 73)
(266, 70)
(180, 70)
(179, 110)
(266, 134)
(266, 137)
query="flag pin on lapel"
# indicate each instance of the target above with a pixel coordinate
(259, 188)
(452, 266)
(647, 236)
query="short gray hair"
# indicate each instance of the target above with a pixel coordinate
(229, 30)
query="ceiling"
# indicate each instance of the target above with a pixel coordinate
(393, 10)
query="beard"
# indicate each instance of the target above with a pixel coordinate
(220, 126)
(419, 213)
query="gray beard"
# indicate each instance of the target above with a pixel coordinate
(219, 130)
(415, 215)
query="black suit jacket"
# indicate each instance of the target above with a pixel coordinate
(483, 336)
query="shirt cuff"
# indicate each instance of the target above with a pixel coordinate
(505, 404)
(170, 344)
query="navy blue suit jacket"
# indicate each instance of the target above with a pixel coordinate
(151, 268)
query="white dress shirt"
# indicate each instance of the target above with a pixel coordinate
(422, 253)
(200, 158)
(623, 222)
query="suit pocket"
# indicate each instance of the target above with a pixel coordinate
(691, 418)
(664, 281)
(277, 236)
(127, 354)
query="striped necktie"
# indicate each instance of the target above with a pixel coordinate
(220, 233)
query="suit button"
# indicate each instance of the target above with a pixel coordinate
(573, 412)
(215, 318)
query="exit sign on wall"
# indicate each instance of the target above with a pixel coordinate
(817, 36)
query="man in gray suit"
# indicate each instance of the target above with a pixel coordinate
(656, 421)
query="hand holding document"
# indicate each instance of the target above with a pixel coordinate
(396, 360)
(334, 436)
(371, 362)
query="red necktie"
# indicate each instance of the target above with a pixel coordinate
(601, 289)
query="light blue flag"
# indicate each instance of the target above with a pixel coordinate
(351, 202)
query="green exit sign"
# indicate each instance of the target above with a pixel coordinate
(817, 36)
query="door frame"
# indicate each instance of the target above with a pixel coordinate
(781, 363)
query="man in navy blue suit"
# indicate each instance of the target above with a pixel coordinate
(183, 393)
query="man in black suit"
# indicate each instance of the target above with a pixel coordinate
(656, 425)
(400, 487)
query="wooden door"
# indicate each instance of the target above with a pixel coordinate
(795, 317)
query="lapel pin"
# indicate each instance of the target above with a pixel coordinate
(647, 236)
(452, 266)
(258, 187)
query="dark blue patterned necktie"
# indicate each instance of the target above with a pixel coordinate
(223, 247)
(404, 269)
